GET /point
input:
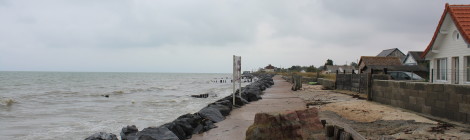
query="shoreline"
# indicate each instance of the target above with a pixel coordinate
(184, 126)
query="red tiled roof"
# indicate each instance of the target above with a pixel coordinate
(460, 14)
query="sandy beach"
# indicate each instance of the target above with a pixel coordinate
(373, 120)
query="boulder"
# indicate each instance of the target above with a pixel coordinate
(212, 114)
(300, 124)
(156, 133)
(224, 110)
(102, 136)
(182, 127)
(129, 132)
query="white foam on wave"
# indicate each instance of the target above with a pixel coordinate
(7, 101)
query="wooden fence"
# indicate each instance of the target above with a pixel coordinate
(353, 82)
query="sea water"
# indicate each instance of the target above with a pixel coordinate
(72, 105)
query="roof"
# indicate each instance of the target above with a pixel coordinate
(333, 68)
(414, 68)
(269, 67)
(380, 61)
(416, 55)
(460, 14)
(387, 52)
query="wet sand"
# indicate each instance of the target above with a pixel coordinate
(275, 99)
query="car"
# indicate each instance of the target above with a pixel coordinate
(403, 75)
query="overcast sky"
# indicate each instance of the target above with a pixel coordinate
(202, 35)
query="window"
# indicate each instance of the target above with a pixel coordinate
(456, 35)
(441, 70)
(467, 68)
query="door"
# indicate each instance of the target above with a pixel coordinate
(455, 70)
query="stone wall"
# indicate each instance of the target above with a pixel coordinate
(441, 100)
(327, 83)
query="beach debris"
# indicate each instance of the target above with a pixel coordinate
(317, 102)
(102, 136)
(441, 127)
(201, 95)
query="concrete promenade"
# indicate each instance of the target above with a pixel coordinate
(275, 99)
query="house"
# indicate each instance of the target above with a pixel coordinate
(449, 50)
(414, 58)
(377, 63)
(269, 68)
(341, 69)
(394, 52)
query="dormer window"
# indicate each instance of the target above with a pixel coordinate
(456, 35)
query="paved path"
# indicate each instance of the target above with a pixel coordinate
(277, 98)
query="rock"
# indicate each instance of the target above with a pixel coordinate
(212, 114)
(156, 133)
(198, 129)
(208, 125)
(252, 94)
(224, 109)
(300, 124)
(102, 136)
(201, 95)
(181, 127)
(240, 101)
(129, 132)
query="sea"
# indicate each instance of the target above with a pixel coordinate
(73, 105)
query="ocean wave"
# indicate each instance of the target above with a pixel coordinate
(164, 88)
(7, 101)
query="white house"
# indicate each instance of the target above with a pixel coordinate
(413, 58)
(449, 50)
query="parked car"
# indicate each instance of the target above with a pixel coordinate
(403, 75)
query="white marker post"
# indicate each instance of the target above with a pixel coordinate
(236, 75)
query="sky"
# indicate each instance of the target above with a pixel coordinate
(189, 36)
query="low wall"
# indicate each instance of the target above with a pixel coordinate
(440, 100)
(327, 83)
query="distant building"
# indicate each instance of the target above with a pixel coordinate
(341, 69)
(367, 63)
(376, 65)
(414, 58)
(394, 52)
(269, 68)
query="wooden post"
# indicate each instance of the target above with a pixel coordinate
(330, 131)
(318, 75)
(369, 86)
